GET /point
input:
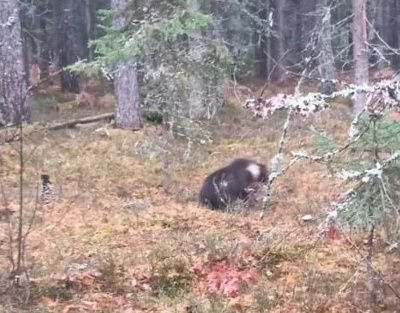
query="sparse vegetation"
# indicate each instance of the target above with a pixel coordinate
(170, 277)
(92, 215)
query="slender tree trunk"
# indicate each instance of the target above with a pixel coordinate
(214, 85)
(379, 20)
(394, 27)
(281, 42)
(326, 60)
(36, 38)
(166, 154)
(13, 107)
(92, 22)
(299, 31)
(261, 47)
(268, 44)
(45, 48)
(26, 57)
(370, 270)
(360, 50)
(127, 113)
(89, 23)
(197, 91)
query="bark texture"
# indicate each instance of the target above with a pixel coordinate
(127, 92)
(360, 50)
(326, 60)
(197, 91)
(127, 113)
(13, 89)
(281, 40)
(70, 39)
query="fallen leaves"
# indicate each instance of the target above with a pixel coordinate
(333, 232)
(46, 301)
(239, 303)
(98, 302)
(224, 278)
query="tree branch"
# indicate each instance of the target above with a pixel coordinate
(85, 120)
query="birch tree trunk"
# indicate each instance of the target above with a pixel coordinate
(127, 113)
(360, 50)
(13, 90)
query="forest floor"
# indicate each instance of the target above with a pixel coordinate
(115, 240)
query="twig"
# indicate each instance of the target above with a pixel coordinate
(31, 87)
(276, 64)
(377, 272)
(370, 271)
(276, 161)
(21, 198)
(30, 226)
(395, 51)
(330, 155)
(344, 286)
(10, 234)
(277, 244)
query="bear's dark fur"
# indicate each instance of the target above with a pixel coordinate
(231, 183)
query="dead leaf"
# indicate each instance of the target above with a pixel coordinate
(48, 302)
(237, 303)
(290, 279)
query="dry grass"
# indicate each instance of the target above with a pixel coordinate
(137, 243)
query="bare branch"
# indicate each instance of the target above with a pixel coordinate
(395, 51)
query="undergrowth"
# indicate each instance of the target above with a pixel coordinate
(112, 201)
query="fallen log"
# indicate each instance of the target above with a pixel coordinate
(85, 120)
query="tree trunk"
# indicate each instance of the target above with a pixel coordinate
(196, 107)
(360, 50)
(281, 42)
(127, 113)
(380, 11)
(326, 59)
(268, 44)
(92, 21)
(380, 18)
(127, 93)
(13, 90)
(70, 39)
(89, 23)
(45, 49)
(394, 26)
(261, 47)
(197, 91)
(300, 30)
